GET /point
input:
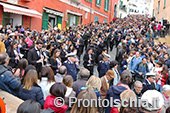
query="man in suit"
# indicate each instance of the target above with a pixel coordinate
(149, 84)
(71, 66)
(100, 57)
(35, 57)
(103, 65)
(105, 82)
(79, 43)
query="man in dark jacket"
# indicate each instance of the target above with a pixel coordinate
(137, 89)
(35, 56)
(8, 82)
(84, 74)
(149, 84)
(115, 91)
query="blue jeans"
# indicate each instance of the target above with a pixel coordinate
(158, 32)
(158, 87)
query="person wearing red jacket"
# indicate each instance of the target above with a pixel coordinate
(161, 78)
(56, 90)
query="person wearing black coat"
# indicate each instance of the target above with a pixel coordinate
(63, 53)
(79, 43)
(13, 54)
(34, 56)
(89, 60)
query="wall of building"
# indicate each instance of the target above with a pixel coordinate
(163, 11)
(1, 15)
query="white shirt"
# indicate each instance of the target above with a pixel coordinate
(45, 86)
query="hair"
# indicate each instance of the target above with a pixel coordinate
(137, 83)
(3, 58)
(84, 73)
(94, 82)
(62, 70)
(68, 80)
(113, 63)
(29, 106)
(126, 77)
(168, 110)
(54, 53)
(23, 63)
(12, 44)
(87, 94)
(58, 90)
(30, 79)
(47, 72)
(164, 71)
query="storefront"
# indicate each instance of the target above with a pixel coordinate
(16, 15)
(53, 17)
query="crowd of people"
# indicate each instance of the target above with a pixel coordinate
(38, 66)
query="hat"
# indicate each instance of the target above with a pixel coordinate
(154, 98)
(111, 73)
(11, 34)
(150, 74)
(106, 55)
(72, 54)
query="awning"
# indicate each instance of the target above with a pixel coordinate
(74, 13)
(54, 12)
(20, 10)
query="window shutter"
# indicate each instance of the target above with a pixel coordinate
(77, 20)
(96, 2)
(45, 21)
(68, 20)
(3, 18)
(100, 2)
(107, 5)
(59, 22)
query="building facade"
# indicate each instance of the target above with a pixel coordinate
(38, 14)
(161, 9)
(135, 7)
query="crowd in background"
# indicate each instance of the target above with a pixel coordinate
(38, 66)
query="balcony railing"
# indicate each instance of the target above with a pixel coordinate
(123, 8)
(75, 1)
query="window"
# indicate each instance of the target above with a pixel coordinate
(96, 18)
(104, 21)
(106, 7)
(164, 3)
(98, 3)
(158, 6)
(86, 15)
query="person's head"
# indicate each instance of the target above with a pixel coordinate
(104, 50)
(90, 51)
(14, 44)
(72, 58)
(29, 106)
(23, 63)
(113, 64)
(166, 55)
(56, 53)
(68, 81)
(84, 73)
(158, 64)
(62, 70)
(48, 73)
(58, 90)
(168, 110)
(164, 71)
(126, 77)
(137, 54)
(44, 47)
(94, 82)
(39, 44)
(166, 90)
(110, 75)
(87, 94)
(152, 96)
(150, 77)
(4, 59)
(138, 86)
(144, 60)
(31, 79)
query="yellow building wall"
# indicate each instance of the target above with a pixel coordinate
(164, 12)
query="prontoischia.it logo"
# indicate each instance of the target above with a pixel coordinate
(59, 102)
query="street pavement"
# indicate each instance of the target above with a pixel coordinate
(166, 39)
(111, 53)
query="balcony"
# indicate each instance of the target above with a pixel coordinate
(26, 0)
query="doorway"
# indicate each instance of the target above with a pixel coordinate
(115, 13)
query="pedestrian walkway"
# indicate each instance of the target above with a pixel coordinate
(166, 39)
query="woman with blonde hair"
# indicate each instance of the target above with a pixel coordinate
(87, 94)
(30, 88)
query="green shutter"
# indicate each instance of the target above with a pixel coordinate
(77, 20)
(100, 2)
(96, 2)
(68, 20)
(3, 18)
(45, 21)
(30, 22)
(158, 6)
(164, 3)
(90, 0)
(107, 5)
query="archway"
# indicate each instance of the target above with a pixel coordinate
(115, 10)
